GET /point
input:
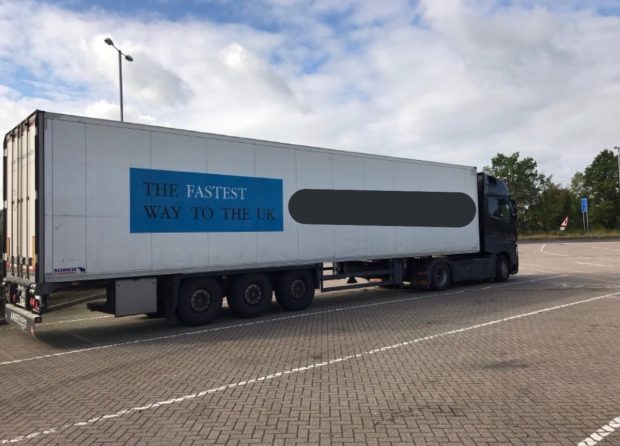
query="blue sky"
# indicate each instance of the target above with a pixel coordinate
(222, 11)
(449, 80)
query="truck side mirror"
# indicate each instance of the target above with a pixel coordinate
(513, 208)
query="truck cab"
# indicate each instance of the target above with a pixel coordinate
(497, 220)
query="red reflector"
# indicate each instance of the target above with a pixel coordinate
(34, 303)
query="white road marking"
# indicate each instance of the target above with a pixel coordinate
(523, 281)
(593, 264)
(536, 270)
(259, 322)
(76, 320)
(596, 277)
(78, 300)
(296, 370)
(226, 327)
(542, 249)
(66, 321)
(595, 437)
(571, 286)
(611, 249)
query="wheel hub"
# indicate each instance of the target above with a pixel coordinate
(298, 289)
(253, 294)
(200, 301)
(440, 275)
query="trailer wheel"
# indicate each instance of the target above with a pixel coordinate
(200, 301)
(502, 269)
(295, 290)
(249, 295)
(441, 276)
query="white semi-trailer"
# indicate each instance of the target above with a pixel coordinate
(172, 221)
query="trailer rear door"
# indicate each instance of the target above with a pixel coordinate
(20, 201)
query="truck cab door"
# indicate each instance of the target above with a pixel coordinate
(501, 219)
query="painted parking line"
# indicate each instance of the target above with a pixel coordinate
(593, 264)
(490, 287)
(591, 275)
(296, 370)
(61, 305)
(65, 321)
(542, 250)
(595, 437)
(75, 320)
(264, 321)
(611, 249)
(215, 329)
(77, 300)
(534, 271)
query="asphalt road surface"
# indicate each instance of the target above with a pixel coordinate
(535, 360)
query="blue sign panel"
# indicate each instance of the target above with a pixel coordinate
(169, 201)
(584, 205)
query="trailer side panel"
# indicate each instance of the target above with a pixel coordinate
(223, 184)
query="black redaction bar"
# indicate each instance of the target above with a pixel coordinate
(382, 208)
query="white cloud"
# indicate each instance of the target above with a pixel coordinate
(449, 81)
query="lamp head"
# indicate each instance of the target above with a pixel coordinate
(108, 41)
(128, 58)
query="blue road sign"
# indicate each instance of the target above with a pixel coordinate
(584, 205)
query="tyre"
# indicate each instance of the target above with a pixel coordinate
(295, 290)
(502, 269)
(200, 301)
(250, 295)
(441, 276)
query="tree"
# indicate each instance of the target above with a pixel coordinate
(526, 186)
(577, 185)
(554, 204)
(600, 186)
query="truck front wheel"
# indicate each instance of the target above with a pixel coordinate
(502, 269)
(250, 295)
(441, 276)
(295, 290)
(200, 301)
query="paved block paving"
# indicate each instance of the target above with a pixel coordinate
(530, 361)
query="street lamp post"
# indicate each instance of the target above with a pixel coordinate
(128, 58)
(618, 149)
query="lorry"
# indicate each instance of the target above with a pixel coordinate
(170, 222)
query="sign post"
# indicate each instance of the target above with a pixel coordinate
(584, 215)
